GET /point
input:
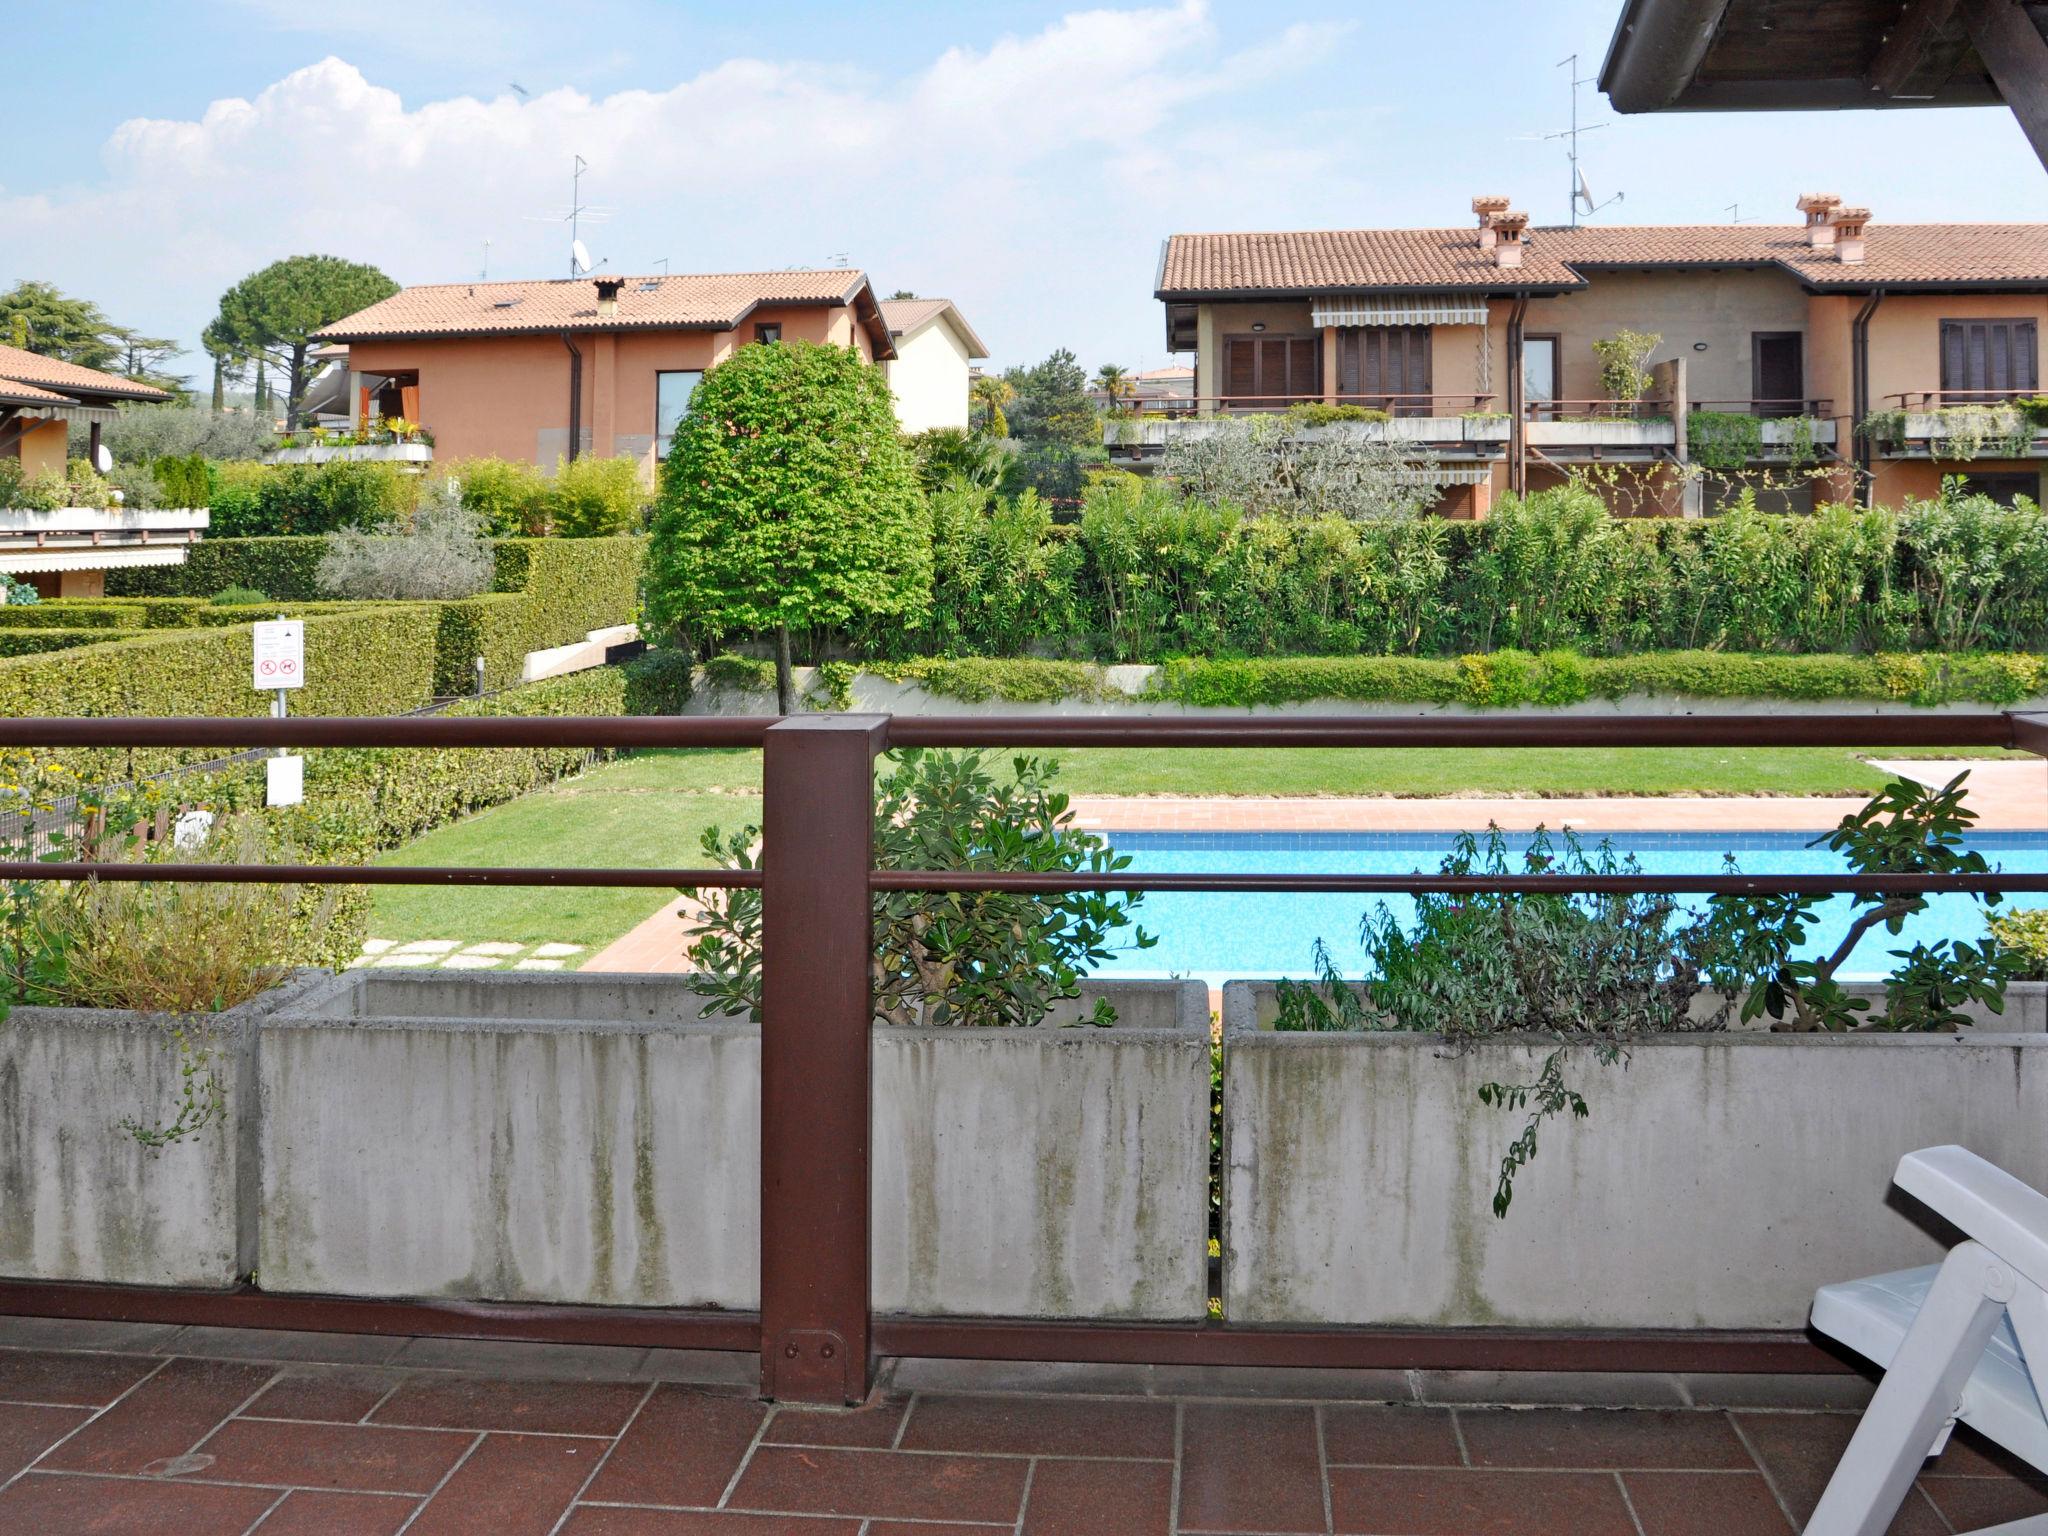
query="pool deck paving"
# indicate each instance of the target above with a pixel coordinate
(118, 1428)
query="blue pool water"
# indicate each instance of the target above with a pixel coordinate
(1215, 936)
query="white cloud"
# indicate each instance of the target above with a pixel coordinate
(1031, 179)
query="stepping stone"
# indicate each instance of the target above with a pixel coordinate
(494, 949)
(429, 946)
(414, 961)
(377, 946)
(557, 951)
(536, 965)
(469, 962)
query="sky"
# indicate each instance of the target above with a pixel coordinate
(1023, 159)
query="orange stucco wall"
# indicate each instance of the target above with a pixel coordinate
(42, 447)
(508, 396)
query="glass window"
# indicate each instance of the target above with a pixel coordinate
(1539, 369)
(671, 402)
(768, 331)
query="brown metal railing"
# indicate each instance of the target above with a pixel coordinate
(1933, 399)
(1599, 410)
(1768, 407)
(1392, 404)
(815, 1330)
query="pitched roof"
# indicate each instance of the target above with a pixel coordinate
(906, 317)
(711, 301)
(64, 383)
(1322, 261)
(15, 393)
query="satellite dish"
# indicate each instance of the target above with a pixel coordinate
(103, 459)
(579, 256)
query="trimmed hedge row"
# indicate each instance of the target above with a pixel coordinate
(31, 642)
(72, 613)
(282, 567)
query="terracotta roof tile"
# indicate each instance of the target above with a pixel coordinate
(13, 392)
(903, 316)
(1317, 261)
(22, 367)
(695, 301)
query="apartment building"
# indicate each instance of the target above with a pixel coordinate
(1875, 359)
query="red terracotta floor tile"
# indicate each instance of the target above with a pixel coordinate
(1249, 1467)
(1390, 1436)
(1099, 1498)
(895, 1484)
(164, 1417)
(339, 1396)
(1042, 1426)
(511, 1485)
(1603, 1437)
(306, 1512)
(871, 1428)
(1705, 1504)
(1799, 1452)
(538, 1407)
(88, 1381)
(928, 1528)
(1448, 1501)
(358, 1456)
(26, 1431)
(1969, 1503)
(590, 1520)
(37, 1504)
(683, 1448)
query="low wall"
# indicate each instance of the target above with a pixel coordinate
(1717, 1181)
(80, 1197)
(596, 1139)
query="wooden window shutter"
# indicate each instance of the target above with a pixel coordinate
(1305, 368)
(1989, 356)
(1240, 366)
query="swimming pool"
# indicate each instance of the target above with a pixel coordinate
(1216, 936)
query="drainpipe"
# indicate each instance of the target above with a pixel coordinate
(1859, 375)
(575, 396)
(1518, 455)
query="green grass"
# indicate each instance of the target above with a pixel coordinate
(642, 813)
(649, 811)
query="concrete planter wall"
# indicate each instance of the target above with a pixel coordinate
(373, 453)
(80, 1197)
(1048, 1172)
(596, 1139)
(1719, 1179)
(1602, 434)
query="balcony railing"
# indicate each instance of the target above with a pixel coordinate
(1252, 405)
(815, 1330)
(1817, 407)
(1935, 399)
(1959, 425)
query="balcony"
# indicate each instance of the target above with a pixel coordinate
(378, 453)
(1600, 429)
(1452, 426)
(1958, 425)
(95, 538)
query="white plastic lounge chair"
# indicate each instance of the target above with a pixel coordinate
(1954, 1338)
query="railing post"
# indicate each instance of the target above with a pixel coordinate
(817, 940)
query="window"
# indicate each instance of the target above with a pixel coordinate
(1379, 364)
(1265, 372)
(769, 331)
(1777, 373)
(2003, 488)
(1987, 359)
(1539, 370)
(671, 402)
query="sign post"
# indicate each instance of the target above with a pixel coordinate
(278, 663)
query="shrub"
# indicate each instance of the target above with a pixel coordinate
(441, 555)
(235, 491)
(657, 682)
(16, 594)
(228, 596)
(509, 496)
(595, 498)
(142, 433)
(138, 487)
(182, 481)
(30, 642)
(2024, 936)
(953, 957)
(946, 455)
(1260, 464)
(1313, 413)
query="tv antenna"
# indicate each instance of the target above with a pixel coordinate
(1735, 215)
(485, 275)
(578, 214)
(1580, 194)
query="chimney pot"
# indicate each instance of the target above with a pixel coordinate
(1508, 226)
(1847, 225)
(1817, 206)
(608, 295)
(1488, 206)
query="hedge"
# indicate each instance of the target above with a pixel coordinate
(576, 585)
(282, 567)
(31, 642)
(71, 613)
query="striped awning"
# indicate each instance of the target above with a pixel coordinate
(1400, 309)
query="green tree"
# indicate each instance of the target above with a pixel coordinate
(270, 316)
(1114, 380)
(1053, 408)
(40, 318)
(986, 397)
(229, 365)
(788, 500)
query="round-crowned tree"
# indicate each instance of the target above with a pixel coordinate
(788, 501)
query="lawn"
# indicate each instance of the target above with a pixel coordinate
(649, 811)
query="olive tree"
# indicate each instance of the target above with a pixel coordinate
(788, 500)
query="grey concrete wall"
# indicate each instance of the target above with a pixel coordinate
(1718, 1181)
(80, 1197)
(595, 1139)
(1048, 1172)
(521, 1138)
